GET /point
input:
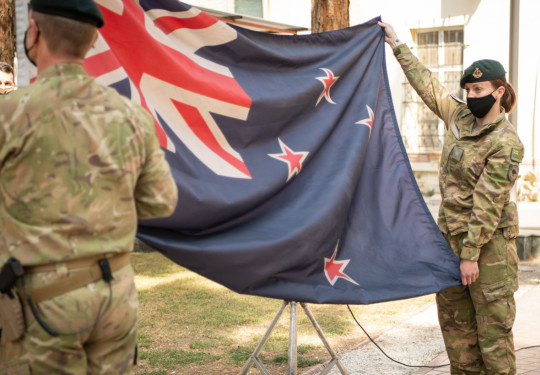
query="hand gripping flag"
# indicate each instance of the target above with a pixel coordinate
(293, 179)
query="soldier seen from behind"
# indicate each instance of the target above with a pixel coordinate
(79, 164)
(478, 168)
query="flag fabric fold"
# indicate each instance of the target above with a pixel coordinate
(293, 179)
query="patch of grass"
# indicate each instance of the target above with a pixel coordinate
(303, 359)
(276, 344)
(331, 323)
(171, 358)
(303, 349)
(204, 344)
(144, 340)
(240, 355)
(154, 265)
(191, 325)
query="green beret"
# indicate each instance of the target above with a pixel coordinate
(482, 70)
(80, 10)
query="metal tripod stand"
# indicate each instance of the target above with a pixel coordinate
(254, 359)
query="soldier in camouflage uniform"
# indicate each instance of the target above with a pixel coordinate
(78, 165)
(478, 168)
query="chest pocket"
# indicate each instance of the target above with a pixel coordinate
(465, 164)
(455, 157)
(456, 154)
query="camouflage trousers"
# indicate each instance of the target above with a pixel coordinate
(476, 320)
(108, 347)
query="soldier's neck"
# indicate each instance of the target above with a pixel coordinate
(45, 59)
(487, 119)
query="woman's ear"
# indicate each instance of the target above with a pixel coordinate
(500, 91)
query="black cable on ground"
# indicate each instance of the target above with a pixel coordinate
(404, 364)
(528, 347)
(382, 351)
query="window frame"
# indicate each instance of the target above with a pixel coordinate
(422, 131)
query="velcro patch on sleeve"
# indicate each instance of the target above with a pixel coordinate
(516, 155)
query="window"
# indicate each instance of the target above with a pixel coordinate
(428, 48)
(249, 7)
(453, 47)
(441, 50)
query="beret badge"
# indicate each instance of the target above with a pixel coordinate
(477, 73)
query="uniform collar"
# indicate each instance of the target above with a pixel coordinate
(468, 129)
(61, 69)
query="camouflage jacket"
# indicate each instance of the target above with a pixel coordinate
(477, 168)
(79, 164)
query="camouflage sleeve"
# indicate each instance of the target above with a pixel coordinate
(2, 141)
(156, 193)
(428, 87)
(5, 117)
(489, 196)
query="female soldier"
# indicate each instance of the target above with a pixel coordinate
(478, 167)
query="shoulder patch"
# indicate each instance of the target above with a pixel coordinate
(457, 99)
(516, 155)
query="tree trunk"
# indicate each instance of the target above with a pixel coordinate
(327, 15)
(7, 31)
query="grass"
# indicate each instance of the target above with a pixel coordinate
(190, 325)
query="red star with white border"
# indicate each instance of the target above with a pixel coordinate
(367, 121)
(334, 269)
(327, 82)
(292, 158)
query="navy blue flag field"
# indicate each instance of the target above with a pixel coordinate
(293, 179)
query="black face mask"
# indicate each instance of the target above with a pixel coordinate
(27, 50)
(480, 106)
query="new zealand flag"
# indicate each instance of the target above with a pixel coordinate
(293, 179)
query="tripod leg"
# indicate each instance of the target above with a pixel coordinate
(335, 360)
(253, 359)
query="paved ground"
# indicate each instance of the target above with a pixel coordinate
(418, 341)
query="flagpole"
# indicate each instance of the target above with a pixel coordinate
(293, 358)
